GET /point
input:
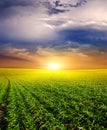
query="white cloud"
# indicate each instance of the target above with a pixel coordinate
(28, 24)
(92, 14)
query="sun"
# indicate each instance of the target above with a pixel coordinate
(54, 66)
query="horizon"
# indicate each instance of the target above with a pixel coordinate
(51, 70)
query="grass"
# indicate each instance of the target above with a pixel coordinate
(53, 100)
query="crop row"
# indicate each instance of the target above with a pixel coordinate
(53, 102)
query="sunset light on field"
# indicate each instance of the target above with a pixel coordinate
(53, 64)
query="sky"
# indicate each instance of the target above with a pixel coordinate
(34, 33)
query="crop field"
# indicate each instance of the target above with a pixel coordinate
(53, 100)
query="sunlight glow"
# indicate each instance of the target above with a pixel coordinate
(54, 66)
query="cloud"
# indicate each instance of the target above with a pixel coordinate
(86, 35)
(73, 55)
(77, 29)
(15, 53)
(68, 49)
(70, 55)
(26, 21)
(28, 24)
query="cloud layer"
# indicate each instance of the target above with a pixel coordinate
(67, 28)
(25, 20)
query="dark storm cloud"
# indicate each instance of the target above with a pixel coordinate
(53, 7)
(6, 5)
(9, 3)
(12, 8)
(76, 4)
(86, 35)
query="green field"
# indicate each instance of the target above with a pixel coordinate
(53, 100)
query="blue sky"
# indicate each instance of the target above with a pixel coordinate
(34, 31)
